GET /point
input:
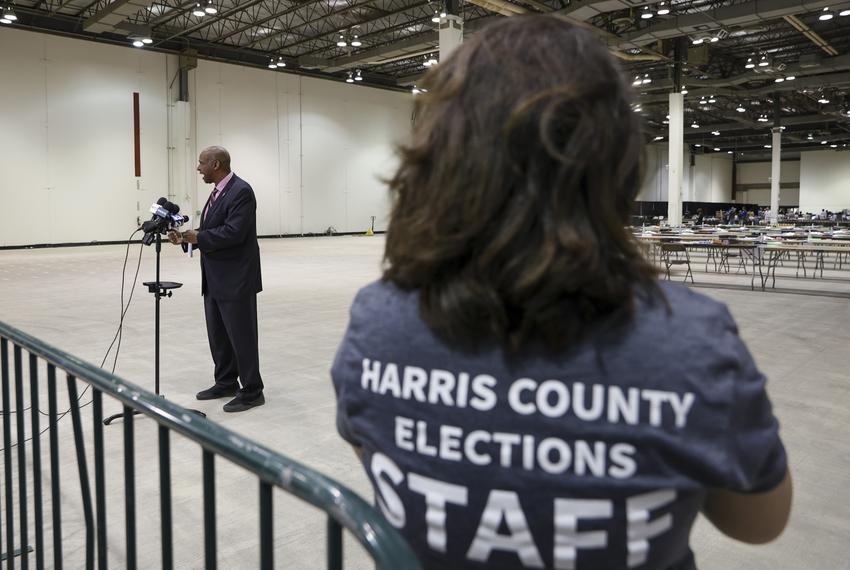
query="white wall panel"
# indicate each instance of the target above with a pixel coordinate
(654, 186)
(72, 137)
(23, 139)
(824, 181)
(314, 150)
(759, 172)
(237, 109)
(712, 178)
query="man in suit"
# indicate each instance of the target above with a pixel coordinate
(230, 281)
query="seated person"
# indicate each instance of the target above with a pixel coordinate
(521, 389)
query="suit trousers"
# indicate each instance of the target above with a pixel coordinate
(232, 332)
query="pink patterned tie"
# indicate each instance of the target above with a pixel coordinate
(214, 197)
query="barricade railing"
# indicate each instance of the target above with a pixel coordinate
(344, 508)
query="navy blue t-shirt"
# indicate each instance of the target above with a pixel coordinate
(597, 459)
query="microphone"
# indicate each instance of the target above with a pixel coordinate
(154, 208)
(165, 217)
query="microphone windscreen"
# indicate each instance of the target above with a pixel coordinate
(171, 207)
(162, 201)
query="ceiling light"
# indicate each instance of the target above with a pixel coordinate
(697, 144)
(416, 90)
(647, 13)
(358, 77)
(750, 63)
(702, 101)
(210, 8)
(147, 41)
(715, 133)
(825, 15)
(790, 78)
(5, 21)
(716, 149)
(646, 79)
(138, 43)
(841, 13)
(684, 91)
(833, 146)
(715, 39)
(663, 9)
(436, 17)
(9, 14)
(280, 62)
(740, 109)
(697, 41)
(198, 11)
(665, 122)
(658, 138)
(823, 100)
(779, 80)
(711, 99)
(728, 152)
(762, 119)
(768, 146)
(763, 61)
(694, 125)
(341, 41)
(356, 42)
(272, 64)
(810, 137)
(350, 78)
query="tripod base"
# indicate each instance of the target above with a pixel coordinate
(17, 552)
(113, 417)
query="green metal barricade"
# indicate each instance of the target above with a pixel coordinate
(344, 508)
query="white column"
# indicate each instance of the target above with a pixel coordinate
(676, 160)
(775, 173)
(451, 34)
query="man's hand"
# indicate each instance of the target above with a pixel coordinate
(190, 236)
(175, 237)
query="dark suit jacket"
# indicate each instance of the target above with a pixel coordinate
(227, 239)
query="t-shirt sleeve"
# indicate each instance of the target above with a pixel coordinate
(344, 376)
(756, 457)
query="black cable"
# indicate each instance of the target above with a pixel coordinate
(118, 334)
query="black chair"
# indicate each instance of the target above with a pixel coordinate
(676, 254)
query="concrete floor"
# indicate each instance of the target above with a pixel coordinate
(69, 297)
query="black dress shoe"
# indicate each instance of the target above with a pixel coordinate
(239, 404)
(217, 392)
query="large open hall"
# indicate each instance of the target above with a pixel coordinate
(425, 284)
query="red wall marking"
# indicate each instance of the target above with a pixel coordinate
(136, 136)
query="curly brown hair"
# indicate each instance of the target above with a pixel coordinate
(510, 204)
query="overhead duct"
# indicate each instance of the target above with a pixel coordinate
(500, 7)
(587, 9)
(810, 34)
(812, 74)
(409, 47)
(734, 15)
(112, 16)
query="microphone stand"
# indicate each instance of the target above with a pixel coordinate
(159, 289)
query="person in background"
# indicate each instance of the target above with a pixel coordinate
(699, 218)
(230, 281)
(521, 389)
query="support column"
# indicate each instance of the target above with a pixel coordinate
(451, 34)
(676, 139)
(775, 174)
(676, 161)
(776, 160)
